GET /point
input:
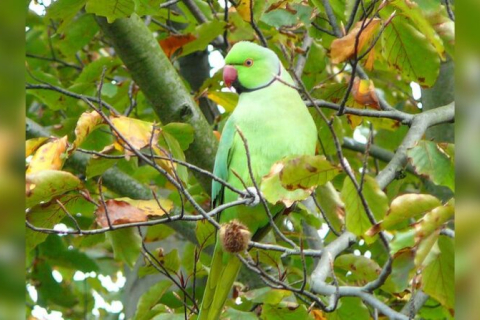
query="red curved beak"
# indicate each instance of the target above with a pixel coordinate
(229, 75)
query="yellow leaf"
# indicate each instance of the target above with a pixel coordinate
(228, 100)
(33, 144)
(318, 315)
(344, 48)
(164, 163)
(85, 125)
(138, 133)
(243, 9)
(151, 207)
(49, 156)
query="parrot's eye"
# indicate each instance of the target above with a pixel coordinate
(248, 63)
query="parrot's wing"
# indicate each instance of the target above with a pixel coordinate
(222, 161)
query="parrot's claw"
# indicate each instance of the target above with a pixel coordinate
(255, 197)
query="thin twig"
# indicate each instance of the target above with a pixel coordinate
(66, 64)
(256, 28)
(449, 10)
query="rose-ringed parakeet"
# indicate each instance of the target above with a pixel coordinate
(275, 123)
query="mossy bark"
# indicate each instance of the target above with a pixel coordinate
(159, 81)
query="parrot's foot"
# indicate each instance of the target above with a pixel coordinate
(255, 197)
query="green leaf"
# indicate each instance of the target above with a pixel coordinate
(268, 257)
(362, 269)
(431, 161)
(205, 233)
(407, 206)
(417, 16)
(205, 33)
(228, 100)
(170, 144)
(58, 254)
(279, 17)
(158, 233)
(332, 205)
(64, 11)
(403, 239)
(151, 298)
(408, 52)
(47, 184)
(377, 200)
(327, 143)
(171, 261)
(182, 132)
(424, 248)
(270, 312)
(315, 65)
(439, 277)
(350, 308)
(147, 7)
(112, 10)
(170, 316)
(126, 244)
(234, 314)
(97, 166)
(304, 172)
(52, 99)
(93, 71)
(402, 266)
(49, 290)
(77, 35)
(434, 220)
(267, 295)
(273, 191)
(357, 220)
(47, 215)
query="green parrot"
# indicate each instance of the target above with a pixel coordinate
(276, 124)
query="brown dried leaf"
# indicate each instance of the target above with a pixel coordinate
(126, 210)
(119, 212)
(49, 156)
(344, 48)
(363, 91)
(370, 60)
(173, 43)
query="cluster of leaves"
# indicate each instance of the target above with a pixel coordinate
(397, 42)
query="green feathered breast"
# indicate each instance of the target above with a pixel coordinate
(276, 124)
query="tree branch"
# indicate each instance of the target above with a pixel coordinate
(153, 72)
(393, 114)
(420, 124)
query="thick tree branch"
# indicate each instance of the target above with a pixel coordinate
(420, 124)
(302, 58)
(157, 78)
(375, 151)
(323, 270)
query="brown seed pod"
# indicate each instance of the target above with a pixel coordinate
(234, 236)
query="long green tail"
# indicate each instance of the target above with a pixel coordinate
(219, 283)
